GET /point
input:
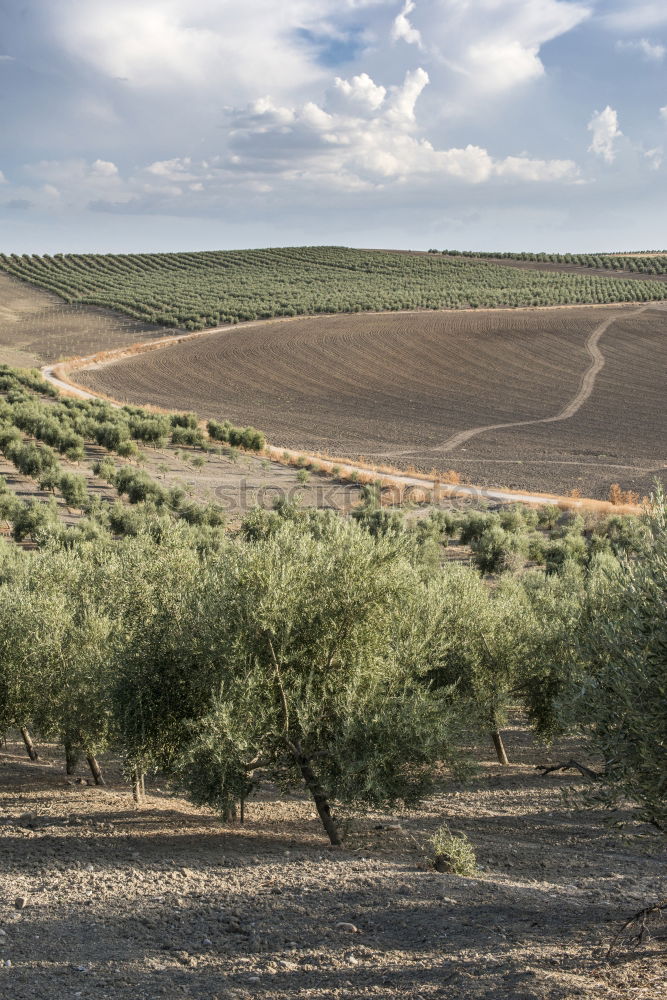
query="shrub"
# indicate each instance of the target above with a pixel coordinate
(497, 550)
(548, 516)
(190, 420)
(35, 520)
(474, 524)
(127, 449)
(622, 708)
(512, 518)
(138, 486)
(452, 853)
(194, 437)
(218, 431)
(303, 476)
(105, 469)
(618, 497)
(74, 490)
(110, 435)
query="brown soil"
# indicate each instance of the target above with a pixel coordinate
(166, 901)
(37, 327)
(395, 388)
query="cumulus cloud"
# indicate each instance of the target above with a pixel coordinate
(496, 45)
(3, 179)
(161, 46)
(402, 100)
(402, 29)
(606, 133)
(368, 143)
(650, 51)
(663, 113)
(361, 90)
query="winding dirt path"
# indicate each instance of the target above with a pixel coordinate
(583, 394)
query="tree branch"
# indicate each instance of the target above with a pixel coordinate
(570, 765)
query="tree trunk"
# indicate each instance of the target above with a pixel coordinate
(500, 747)
(137, 787)
(29, 745)
(320, 799)
(71, 758)
(95, 769)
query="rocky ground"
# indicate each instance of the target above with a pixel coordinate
(99, 899)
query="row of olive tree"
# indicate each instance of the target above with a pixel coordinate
(310, 651)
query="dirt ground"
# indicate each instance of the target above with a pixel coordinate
(394, 388)
(102, 900)
(38, 327)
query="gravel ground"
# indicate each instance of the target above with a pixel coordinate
(102, 900)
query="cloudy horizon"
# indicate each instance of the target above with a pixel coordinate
(468, 124)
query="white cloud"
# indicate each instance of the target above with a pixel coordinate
(650, 51)
(205, 45)
(3, 179)
(527, 169)
(73, 183)
(495, 44)
(403, 29)
(402, 100)
(604, 126)
(361, 90)
(654, 157)
(6, 59)
(104, 168)
(663, 112)
(365, 146)
(635, 15)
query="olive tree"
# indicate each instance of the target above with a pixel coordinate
(287, 662)
(482, 638)
(621, 703)
(55, 647)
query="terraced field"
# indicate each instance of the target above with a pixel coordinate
(398, 388)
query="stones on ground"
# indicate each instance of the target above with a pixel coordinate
(20, 902)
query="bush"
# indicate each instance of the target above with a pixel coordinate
(453, 853)
(110, 435)
(74, 490)
(35, 520)
(105, 469)
(189, 420)
(497, 550)
(191, 436)
(622, 705)
(474, 524)
(218, 431)
(153, 430)
(138, 486)
(549, 516)
(128, 449)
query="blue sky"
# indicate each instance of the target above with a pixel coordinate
(130, 125)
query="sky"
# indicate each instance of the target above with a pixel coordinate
(162, 125)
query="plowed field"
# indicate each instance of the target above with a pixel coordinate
(37, 326)
(585, 386)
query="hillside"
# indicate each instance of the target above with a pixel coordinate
(198, 290)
